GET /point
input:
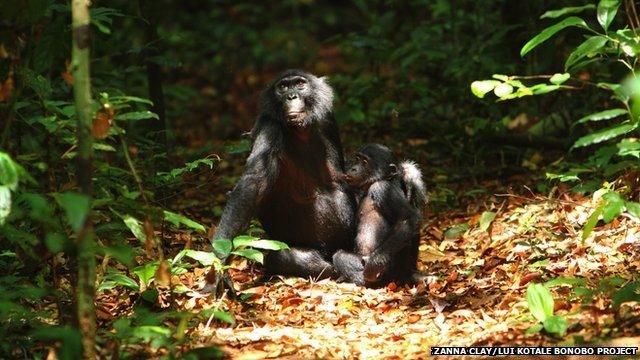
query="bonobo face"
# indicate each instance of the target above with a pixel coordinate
(372, 162)
(293, 91)
(358, 171)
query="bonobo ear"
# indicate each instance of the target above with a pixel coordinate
(393, 170)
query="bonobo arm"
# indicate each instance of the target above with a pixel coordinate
(259, 176)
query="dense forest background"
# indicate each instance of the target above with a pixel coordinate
(175, 88)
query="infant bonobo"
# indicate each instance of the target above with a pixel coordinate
(391, 197)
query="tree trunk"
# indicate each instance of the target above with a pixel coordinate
(84, 238)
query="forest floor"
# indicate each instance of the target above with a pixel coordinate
(477, 296)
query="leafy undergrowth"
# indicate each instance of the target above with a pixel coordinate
(480, 271)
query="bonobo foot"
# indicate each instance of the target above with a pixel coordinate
(301, 262)
(349, 267)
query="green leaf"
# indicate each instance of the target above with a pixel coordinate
(55, 242)
(591, 222)
(136, 227)
(625, 294)
(604, 135)
(8, 171)
(589, 48)
(540, 89)
(5, 203)
(539, 301)
(486, 219)
(177, 219)
(218, 314)
(552, 14)
(76, 208)
(251, 254)
(222, 247)
(534, 329)
(203, 257)
(602, 115)
(562, 177)
(456, 231)
(137, 115)
(481, 88)
(556, 325)
(565, 281)
(633, 208)
(243, 241)
(558, 78)
(545, 34)
(118, 279)
(629, 147)
(146, 272)
(613, 205)
(37, 83)
(502, 90)
(606, 12)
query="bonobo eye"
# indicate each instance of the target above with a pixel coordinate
(301, 83)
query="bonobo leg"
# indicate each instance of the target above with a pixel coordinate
(301, 262)
(349, 266)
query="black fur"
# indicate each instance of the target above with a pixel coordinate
(388, 225)
(292, 179)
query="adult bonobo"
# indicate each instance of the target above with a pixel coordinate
(292, 179)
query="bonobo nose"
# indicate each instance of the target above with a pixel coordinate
(292, 96)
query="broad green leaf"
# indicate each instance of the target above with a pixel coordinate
(558, 78)
(625, 294)
(587, 49)
(503, 89)
(629, 147)
(633, 208)
(565, 281)
(203, 257)
(552, 14)
(8, 171)
(146, 272)
(540, 89)
(54, 241)
(218, 314)
(534, 329)
(481, 88)
(76, 208)
(563, 177)
(486, 219)
(591, 222)
(136, 227)
(606, 12)
(5, 203)
(117, 279)
(539, 301)
(222, 247)
(603, 115)
(456, 231)
(243, 241)
(604, 135)
(177, 219)
(556, 325)
(613, 205)
(545, 34)
(251, 254)
(137, 115)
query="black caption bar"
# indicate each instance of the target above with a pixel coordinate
(534, 350)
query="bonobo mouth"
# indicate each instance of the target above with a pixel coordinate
(296, 118)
